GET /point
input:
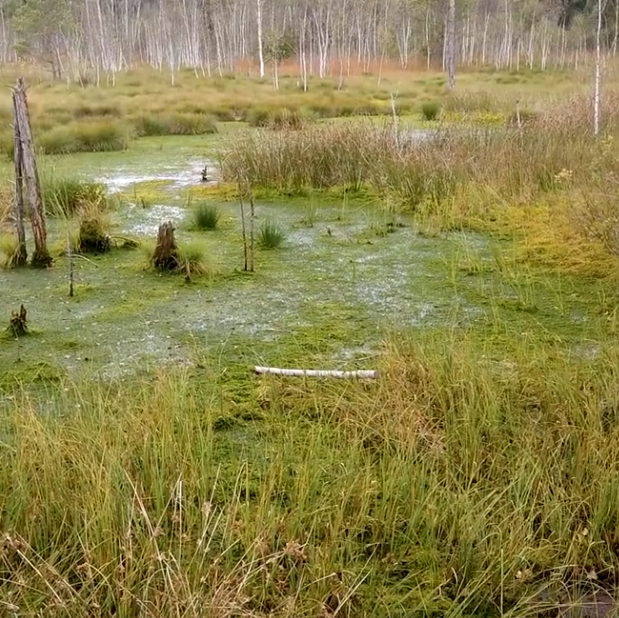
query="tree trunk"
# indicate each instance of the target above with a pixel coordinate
(165, 256)
(40, 257)
(260, 44)
(598, 73)
(21, 255)
(252, 216)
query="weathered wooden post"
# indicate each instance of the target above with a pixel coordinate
(24, 144)
(252, 218)
(21, 255)
(246, 266)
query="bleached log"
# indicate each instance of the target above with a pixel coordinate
(318, 373)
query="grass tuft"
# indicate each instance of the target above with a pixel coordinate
(8, 250)
(430, 110)
(205, 216)
(65, 196)
(271, 235)
(193, 259)
(91, 136)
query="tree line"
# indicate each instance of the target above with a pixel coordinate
(215, 37)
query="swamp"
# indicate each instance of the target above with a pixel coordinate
(465, 246)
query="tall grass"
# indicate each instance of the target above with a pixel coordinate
(205, 216)
(271, 235)
(510, 163)
(64, 196)
(93, 136)
(461, 483)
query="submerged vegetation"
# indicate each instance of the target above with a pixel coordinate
(475, 269)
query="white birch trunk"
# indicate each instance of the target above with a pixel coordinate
(451, 45)
(260, 41)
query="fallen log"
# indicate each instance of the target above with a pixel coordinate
(318, 373)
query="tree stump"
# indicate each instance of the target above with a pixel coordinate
(25, 149)
(18, 325)
(165, 256)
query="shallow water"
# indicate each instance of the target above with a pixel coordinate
(328, 296)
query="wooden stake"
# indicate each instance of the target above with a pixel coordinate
(318, 373)
(252, 212)
(243, 229)
(71, 264)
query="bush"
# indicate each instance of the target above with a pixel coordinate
(430, 110)
(205, 217)
(271, 235)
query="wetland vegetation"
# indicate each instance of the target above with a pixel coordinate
(144, 469)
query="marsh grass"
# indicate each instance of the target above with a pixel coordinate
(430, 110)
(192, 258)
(143, 102)
(91, 136)
(8, 250)
(174, 124)
(279, 118)
(65, 196)
(532, 174)
(271, 235)
(205, 216)
(94, 228)
(462, 482)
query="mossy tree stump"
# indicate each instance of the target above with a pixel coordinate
(92, 236)
(18, 324)
(165, 256)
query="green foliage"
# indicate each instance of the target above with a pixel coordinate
(205, 216)
(430, 110)
(271, 235)
(425, 175)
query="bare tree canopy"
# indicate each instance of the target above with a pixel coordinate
(217, 36)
